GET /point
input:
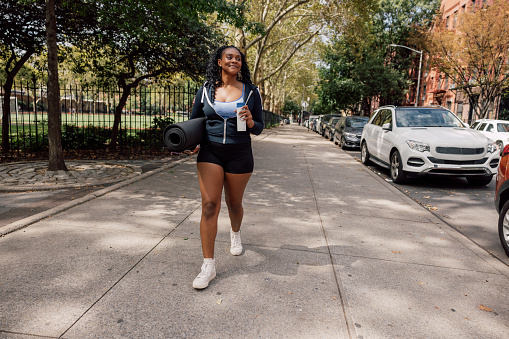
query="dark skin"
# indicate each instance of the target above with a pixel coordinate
(212, 177)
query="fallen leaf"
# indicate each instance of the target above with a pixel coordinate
(182, 196)
(421, 283)
(437, 308)
(396, 252)
(334, 298)
(484, 308)
(218, 301)
(290, 292)
(426, 197)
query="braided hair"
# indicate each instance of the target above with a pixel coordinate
(213, 75)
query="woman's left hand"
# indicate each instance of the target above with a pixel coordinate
(246, 115)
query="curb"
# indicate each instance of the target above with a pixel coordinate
(20, 224)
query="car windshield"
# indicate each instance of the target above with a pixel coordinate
(426, 118)
(503, 127)
(356, 122)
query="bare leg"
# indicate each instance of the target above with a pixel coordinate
(211, 177)
(234, 186)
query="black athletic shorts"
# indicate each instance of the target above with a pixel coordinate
(233, 158)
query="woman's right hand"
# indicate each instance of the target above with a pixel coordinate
(196, 149)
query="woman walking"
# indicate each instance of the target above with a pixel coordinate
(233, 108)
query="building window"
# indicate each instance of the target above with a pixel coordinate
(447, 22)
(463, 8)
(449, 105)
(446, 86)
(454, 19)
(459, 108)
(423, 93)
(439, 85)
(472, 8)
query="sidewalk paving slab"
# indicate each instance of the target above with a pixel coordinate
(331, 251)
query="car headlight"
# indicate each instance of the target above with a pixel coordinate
(350, 135)
(492, 147)
(418, 146)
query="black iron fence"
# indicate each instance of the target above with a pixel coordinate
(88, 115)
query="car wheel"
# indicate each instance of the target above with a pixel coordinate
(365, 154)
(343, 143)
(479, 181)
(397, 174)
(503, 227)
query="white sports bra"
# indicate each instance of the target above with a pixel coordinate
(226, 109)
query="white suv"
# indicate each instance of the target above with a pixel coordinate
(427, 140)
(496, 130)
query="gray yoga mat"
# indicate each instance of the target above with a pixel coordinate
(184, 135)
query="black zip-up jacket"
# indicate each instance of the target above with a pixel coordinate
(223, 130)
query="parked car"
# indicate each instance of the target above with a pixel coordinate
(502, 199)
(330, 127)
(427, 140)
(322, 121)
(348, 131)
(496, 130)
(312, 122)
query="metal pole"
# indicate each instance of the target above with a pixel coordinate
(302, 105)
(418, 80)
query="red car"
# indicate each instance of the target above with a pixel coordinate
(502, 199)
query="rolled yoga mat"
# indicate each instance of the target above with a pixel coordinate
(184, 135)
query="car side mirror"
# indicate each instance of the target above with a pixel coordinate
(387, 126)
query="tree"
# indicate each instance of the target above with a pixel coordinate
(288, 28)
(474, 54)
(23, 35)
(359, 66)
(138, 40)
(290, 109)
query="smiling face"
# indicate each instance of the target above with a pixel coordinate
(230, 61)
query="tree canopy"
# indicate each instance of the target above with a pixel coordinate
(136, 40)
(474, 53)
(358, 64)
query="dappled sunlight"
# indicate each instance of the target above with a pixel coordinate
(425, 298)
(66, 264)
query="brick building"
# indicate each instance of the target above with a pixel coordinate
(436, 88)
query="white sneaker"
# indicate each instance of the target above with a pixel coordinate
(236, 245)
(208, 272)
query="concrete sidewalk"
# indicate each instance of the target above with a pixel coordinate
(331, 251)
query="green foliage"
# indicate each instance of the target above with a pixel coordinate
(503, 114)
(359, 65)
(90, 137)
(153, 136)
(290, 108)
(31, 142)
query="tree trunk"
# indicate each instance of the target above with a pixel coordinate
(6, 104)
(6, 109)
(240, 42)
(126, 91)
(56, 157)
